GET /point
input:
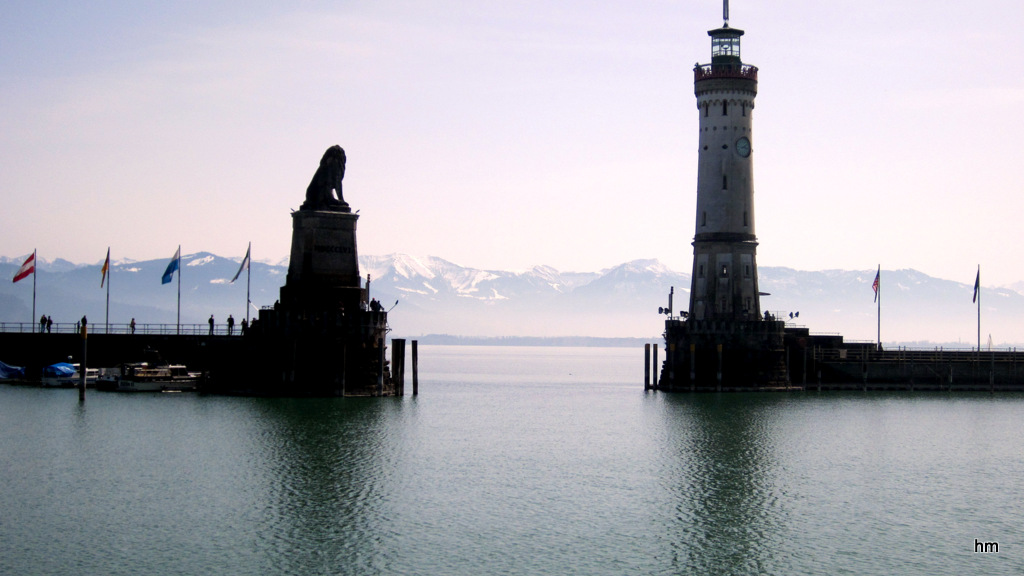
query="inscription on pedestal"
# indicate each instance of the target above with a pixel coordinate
(324, 249)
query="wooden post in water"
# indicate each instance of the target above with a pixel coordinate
(83, 367)
(654, 364)
(398, 365)
(401, 359)
(415, 369)
(380, 366)
(647, 366)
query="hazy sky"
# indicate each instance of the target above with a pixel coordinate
(507, 134)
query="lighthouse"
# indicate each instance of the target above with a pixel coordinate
(724, 276)
(724, 340)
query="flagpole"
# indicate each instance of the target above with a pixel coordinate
(35, 272)
(179, 288)
(248, 282)
(979, 310)
(879, 276)
(107, 272)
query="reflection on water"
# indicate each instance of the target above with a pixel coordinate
(511, 461)
(327, 460)
(729, 517)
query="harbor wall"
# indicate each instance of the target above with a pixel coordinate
(35, 350)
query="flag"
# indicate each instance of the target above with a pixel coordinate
(977, 286)
(874, 285)
(172, 267)
(106, 267)
(29, 267)
(245, 264)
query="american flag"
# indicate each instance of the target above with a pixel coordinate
(874, 285)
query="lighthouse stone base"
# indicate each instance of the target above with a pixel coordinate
(724, 355)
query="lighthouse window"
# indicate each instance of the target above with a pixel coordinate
(725, 182)
(725, 45)
(725, 108)
(744, 108)
(703, 218)
(725, 271)
(706, 107)
(700, 271)
(746, 271)
(745, 223)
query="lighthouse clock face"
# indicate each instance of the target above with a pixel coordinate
(743, 147)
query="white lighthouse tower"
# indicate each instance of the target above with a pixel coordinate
(723, 341)
(724, 284)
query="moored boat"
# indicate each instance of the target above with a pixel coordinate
(141, 377)
(12, 374)
(65, 375)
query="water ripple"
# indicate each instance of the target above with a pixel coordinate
(552, 470)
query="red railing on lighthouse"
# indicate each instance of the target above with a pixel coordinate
(707, 71)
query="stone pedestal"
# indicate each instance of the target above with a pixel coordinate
(324, 248)
(323, 273)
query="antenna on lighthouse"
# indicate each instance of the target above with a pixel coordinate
(725, 11)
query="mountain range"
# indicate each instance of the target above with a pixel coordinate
(435, 296)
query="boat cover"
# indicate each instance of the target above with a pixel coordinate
(11, 371)
(59, 369)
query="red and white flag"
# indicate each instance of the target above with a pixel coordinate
(29, 267)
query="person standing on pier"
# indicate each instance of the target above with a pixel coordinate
(42, 323)
(211, 324)
(49, 324)
(231, 324)
(132, 325)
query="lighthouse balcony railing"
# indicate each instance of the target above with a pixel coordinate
(709, 71)
(751, 325)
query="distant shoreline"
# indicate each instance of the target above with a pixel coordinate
(556, 341)
(630, 342)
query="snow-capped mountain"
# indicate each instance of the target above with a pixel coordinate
(436, 296)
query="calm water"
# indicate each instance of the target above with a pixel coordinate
(512, 461)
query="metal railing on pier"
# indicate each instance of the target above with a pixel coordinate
(903, 354)
(101, 328)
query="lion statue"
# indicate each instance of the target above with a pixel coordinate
(326, 180)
